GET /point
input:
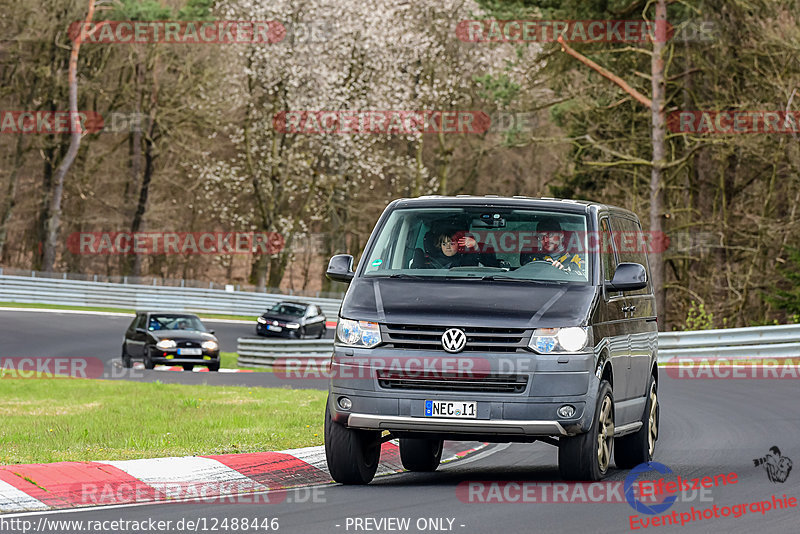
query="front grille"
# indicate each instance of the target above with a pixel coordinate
(492, 383)
(188, 344)
(479, 339)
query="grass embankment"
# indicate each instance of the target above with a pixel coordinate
(116, 310)
(53, 420)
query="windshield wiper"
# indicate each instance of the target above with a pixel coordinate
(406, 275)
(502, 278)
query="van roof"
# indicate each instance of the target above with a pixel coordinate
(560, 204)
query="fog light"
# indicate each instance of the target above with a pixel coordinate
(566, 411)
(345, 403)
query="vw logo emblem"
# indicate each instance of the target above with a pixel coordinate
(453, 340)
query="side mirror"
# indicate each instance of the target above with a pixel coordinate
(141, 330)
(340, 268)
(212, 332)
(628, 277)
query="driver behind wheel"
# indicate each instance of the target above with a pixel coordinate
(552, 249)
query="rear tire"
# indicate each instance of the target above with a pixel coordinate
(638, 448)
(352, 454)
(587, 456)
(421, 455)
(127, 362)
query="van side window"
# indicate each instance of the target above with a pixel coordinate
(631, 247)
(607, 251)
(140, 321)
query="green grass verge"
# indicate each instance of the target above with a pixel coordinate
(53, 420)
(114, 310)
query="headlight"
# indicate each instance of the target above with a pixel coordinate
(210, 345)
(165, 344)
(261, 320)
(358, 333)
(292, 326)
(556, 340)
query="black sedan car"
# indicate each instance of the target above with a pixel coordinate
(293, 320)
(172, 339)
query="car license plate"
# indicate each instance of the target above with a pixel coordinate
(457, 409)
(274, 328)
(190, 352)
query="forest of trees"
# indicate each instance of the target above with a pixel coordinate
(189, 142)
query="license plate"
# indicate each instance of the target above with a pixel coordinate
(274, 328)
(456, 409)
(190, 352)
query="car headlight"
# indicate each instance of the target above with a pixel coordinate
(165, 344)
(261, 320)
(556, 340)
(358, 333)
(292, 326)
(210, 345)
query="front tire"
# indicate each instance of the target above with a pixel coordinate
(587, 456)
(148, 362)
(213, 367)
(421, 455)
(352, 454)
(127, 362)
(639, 448)
(188, 367)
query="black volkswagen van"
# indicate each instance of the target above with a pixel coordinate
(495, 319)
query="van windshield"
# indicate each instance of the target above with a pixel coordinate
(485, 243)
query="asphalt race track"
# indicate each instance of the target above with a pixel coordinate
(708, 428)
(53, 335)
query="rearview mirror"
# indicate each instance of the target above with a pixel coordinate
(340, 268)
(628, 277)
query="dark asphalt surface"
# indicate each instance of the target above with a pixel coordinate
(53, 335)
(709, 427)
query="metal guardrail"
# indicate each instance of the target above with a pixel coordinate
(109, 295)
(732, 343)
(151, 280)
(276, 353)
(782, 341)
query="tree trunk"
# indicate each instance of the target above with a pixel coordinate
(11, 194)
(54, 221)
(658, 137)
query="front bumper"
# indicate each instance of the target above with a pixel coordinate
(172, 358)
(551, 382)
(464, 426)
(261, 330)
